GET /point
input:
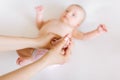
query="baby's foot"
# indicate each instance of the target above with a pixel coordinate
(37, 54)
(20, 61)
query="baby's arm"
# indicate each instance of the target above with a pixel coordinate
(39, 16)
(84, 36)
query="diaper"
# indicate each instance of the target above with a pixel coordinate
(38, 53)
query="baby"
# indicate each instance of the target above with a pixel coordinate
(68, 23)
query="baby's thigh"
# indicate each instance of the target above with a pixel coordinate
(25, 53)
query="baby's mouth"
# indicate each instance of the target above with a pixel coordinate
(65, 17)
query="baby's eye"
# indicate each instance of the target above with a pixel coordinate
(67, 11)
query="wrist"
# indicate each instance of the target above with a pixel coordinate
(39, 13)
(33, 43)
(97, 31)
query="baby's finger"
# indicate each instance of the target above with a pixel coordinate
(104, 28)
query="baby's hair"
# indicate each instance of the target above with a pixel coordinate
(80, 7)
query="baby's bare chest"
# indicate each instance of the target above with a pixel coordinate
(56, 28)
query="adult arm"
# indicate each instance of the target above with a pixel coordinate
(8, 43)
(47, 60)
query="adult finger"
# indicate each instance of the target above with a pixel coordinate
(68, 50)
(61, 43)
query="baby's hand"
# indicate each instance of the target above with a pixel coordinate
(39, 9)
(101, 28)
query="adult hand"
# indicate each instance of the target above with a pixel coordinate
(58, 54)
(43, 41)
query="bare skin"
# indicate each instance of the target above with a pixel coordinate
(68, 23)
(8, 43)
(62, 56)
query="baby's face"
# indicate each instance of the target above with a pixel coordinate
(73, 15)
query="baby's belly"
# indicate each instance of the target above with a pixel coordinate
(57, 33)
(61, 31)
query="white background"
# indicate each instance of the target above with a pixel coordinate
(96, 59)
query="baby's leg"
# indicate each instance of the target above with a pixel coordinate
(29, 55)
(25, 55)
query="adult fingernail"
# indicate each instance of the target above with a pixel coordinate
(66, 39)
